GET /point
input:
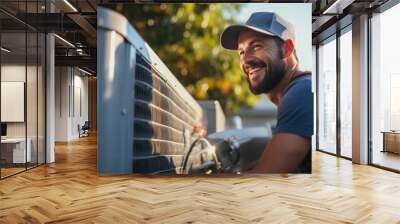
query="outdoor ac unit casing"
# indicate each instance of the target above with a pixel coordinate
(145, 115)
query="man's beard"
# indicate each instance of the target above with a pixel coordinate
(274, 72)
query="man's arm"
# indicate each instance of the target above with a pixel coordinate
(283, 153)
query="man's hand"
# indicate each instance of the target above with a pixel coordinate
(283, 153)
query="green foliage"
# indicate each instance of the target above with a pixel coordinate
(186, 38)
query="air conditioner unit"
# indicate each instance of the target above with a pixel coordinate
(145, 115)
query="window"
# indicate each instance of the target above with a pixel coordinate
(346, 94)
(385, 86)
(327, 96)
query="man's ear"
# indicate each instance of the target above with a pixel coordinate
(288, 47)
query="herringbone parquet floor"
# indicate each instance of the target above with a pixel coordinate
(70, 191)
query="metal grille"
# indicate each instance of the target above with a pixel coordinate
(161, 116)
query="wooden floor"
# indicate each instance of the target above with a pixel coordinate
(10, 171)
(70, 191)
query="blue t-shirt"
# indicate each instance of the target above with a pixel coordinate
(295, 113)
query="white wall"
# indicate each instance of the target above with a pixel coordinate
(80, 110)
(12, 73)
(71, 102)
(62, 82)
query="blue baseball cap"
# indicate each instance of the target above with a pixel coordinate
(268, 23)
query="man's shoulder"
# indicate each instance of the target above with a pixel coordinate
(295, 111)
(299, 88)
(301, 83)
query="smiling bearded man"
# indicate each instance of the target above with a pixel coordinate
(268, 58)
